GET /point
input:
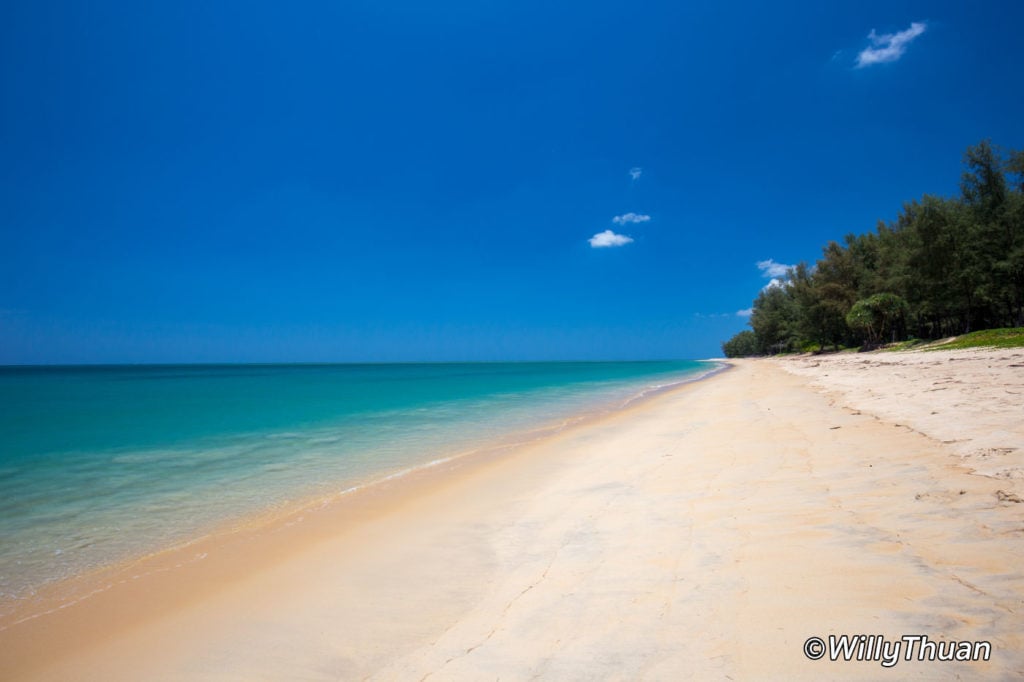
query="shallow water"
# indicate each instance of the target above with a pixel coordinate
(99, 464)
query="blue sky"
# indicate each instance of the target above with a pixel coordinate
(376, 181)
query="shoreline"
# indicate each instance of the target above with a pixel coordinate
(323, 494)
(53, 597)
(707, 531)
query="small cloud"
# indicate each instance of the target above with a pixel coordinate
(630, 218)
(773, 283)
(888, 47)
(769, 268)
(746, 312)
(609, 238)
(635, 172)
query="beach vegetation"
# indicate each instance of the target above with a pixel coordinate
(946, 266)
(987, 338)
(877, 317)
(743, 345)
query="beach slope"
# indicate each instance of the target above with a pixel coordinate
(705, 533)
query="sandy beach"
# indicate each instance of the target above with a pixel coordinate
(705, 533)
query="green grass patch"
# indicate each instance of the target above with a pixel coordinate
(986, 338)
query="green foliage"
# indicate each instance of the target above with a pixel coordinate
(742, 345)
(774, 320)
(878, 317)
(945, 266)
(987, 338)
(862, 319)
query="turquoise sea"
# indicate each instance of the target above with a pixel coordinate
(100, 464)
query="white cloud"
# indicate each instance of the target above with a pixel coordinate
(888, 47)
(746, 312)
(769, 268)
(774, 282)
(635, 172)
(630, 218)
(609, 238)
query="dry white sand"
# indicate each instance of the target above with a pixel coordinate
(704, 534)
(971, 400)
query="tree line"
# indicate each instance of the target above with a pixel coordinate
(945, 266)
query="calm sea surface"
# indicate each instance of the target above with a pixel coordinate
(99, 464)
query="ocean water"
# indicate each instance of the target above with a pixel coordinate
(100, 464)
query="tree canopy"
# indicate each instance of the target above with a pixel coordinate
(945, 266)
